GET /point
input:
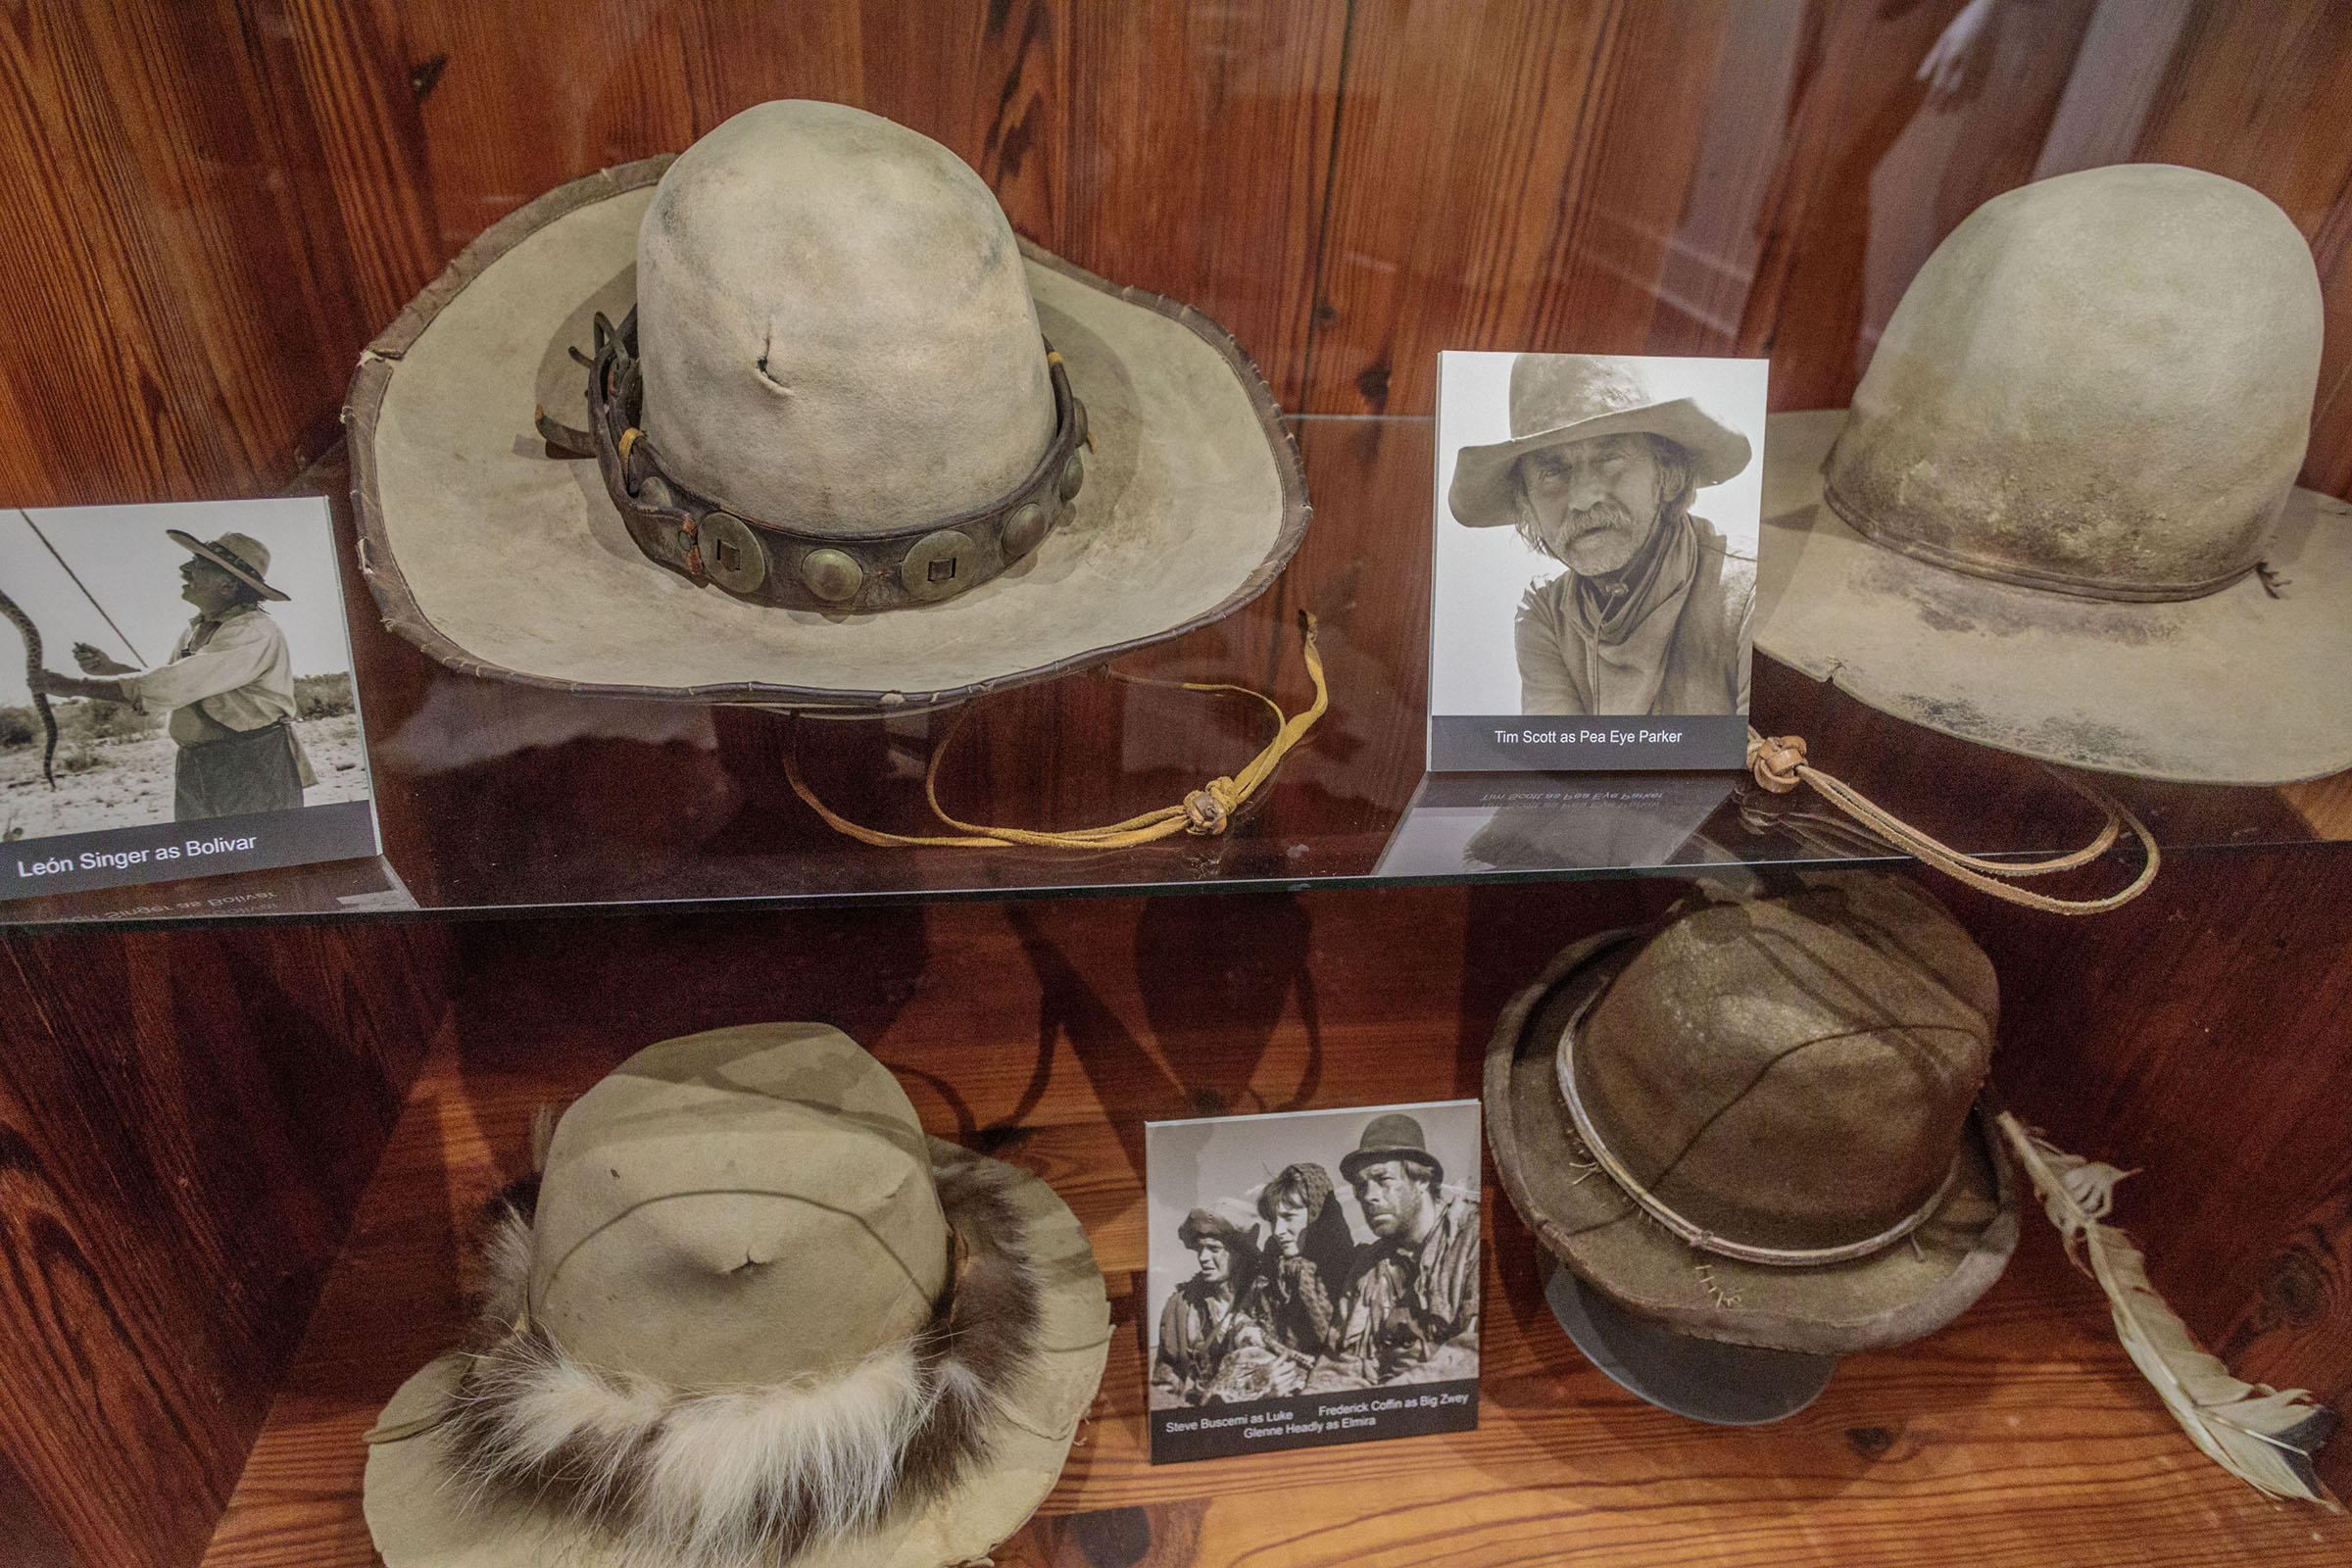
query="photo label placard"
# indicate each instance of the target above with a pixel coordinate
(1314, 1278)
(195, 711)
(1594, 560)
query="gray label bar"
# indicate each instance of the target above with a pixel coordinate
(1550, 745)
(166, 852)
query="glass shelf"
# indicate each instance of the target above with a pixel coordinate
(498, 799)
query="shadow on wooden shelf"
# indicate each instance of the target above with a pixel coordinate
(2021, 1434)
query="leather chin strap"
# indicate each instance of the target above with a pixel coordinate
(795, 566)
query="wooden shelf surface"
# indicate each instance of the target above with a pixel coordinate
(2019, 1434)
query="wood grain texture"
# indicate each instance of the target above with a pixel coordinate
(171, 329)
(1046, 1034)
(215, 205)
(2185, 1037)
(212, 205)
(185, 1125)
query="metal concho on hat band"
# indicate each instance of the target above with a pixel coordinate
(769, 563)
(1696, 1235)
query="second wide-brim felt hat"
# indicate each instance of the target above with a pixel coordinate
(2059, 517)
(501, 560)
(1583, 1218)
(2244, 686)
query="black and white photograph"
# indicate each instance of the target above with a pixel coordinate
(1314, 1278)
(1595, 576)
(184, 705)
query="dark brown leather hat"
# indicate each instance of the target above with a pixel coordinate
(1754, 1123)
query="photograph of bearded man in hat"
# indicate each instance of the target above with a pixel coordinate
(1410, 1312)
(229, 687)
(1630, 604)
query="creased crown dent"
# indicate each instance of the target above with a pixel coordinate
(720, 1477)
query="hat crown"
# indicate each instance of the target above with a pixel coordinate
(1552, 390)
(1794, 1072)
(1395, 1130)
(1392, 1135)
(835, 326)
(735, 1208)
(247, 548)
(2101, 384)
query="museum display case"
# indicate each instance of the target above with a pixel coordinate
(251, 1122)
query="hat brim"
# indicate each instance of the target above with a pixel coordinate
(197, 547)
(499, 559)
(1482, 494)
(2238, 687)
(1357, 1160)
(1705, 1380)
(422, 1516)
(1580, 1217)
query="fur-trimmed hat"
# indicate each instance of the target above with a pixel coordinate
(753, 1315)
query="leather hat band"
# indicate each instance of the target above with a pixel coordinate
(767, 562)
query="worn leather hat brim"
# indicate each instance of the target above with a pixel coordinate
(244, 575)
(1911, 1288)
(422, 1516)
(1705, 1380)
(501, 560)
(2238, 687)
(1484, 494)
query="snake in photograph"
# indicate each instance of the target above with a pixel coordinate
(32, 677)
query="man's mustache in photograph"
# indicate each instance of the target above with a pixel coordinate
(1601, 514)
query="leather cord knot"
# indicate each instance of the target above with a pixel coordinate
(1779, 765)
(1775, 761)
(1208, 809)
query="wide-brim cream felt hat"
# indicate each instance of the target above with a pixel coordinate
(743, 1251)
(2060, 516)
(1690, 1101)
(500, 560)
(2238, 687)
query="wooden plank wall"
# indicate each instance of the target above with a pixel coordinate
(214, 203)
(186, 1122)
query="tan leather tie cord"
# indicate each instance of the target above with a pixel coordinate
(1207, 811)
(1780, 765)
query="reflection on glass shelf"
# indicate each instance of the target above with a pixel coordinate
(307, 892)
(1467, 823)
(495, 797)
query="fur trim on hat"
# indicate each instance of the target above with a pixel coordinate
(729, 1477)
